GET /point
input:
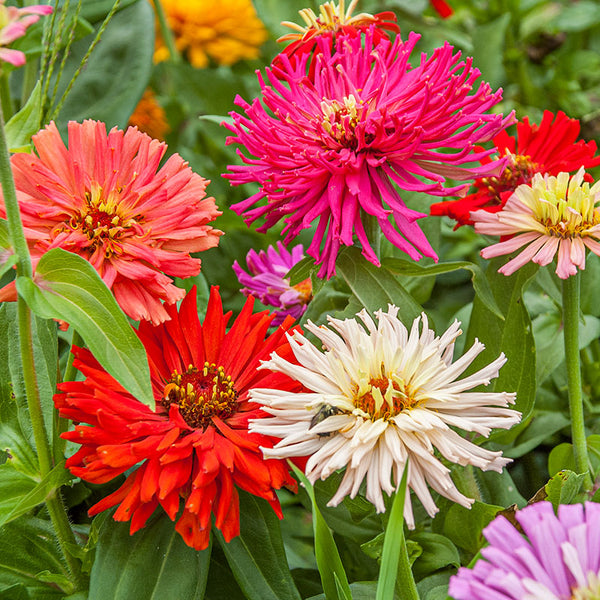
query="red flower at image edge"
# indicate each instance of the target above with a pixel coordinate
(195, 448)
(548, 148)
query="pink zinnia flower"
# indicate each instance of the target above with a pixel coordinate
(13, 24)
(552, 214)
(106, 199)
(559, 559)
(267, 281)
(333, 148)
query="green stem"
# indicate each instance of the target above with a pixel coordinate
(571, 303)
(56, 509)
(166, 32)
(5, 98)
(373, 231)
(30, 77)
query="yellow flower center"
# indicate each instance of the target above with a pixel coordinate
(201, 394)
(102, 220)
(304, 288)
(340, 119)
(590, 592)
(565, 207)
(519, 170)
(384, 397)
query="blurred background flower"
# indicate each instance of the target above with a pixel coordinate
(150, 117)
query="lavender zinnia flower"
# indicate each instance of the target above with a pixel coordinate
(267, 280)
(333, 147)
(560, 560)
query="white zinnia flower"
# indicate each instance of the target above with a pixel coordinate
(378, 396)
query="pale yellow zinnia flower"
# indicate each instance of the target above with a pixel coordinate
(224, 31)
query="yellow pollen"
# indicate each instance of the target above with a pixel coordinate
(201, 394)
(519, 170)
(304, 288)
(384, 397)
(341, 119)
(590, 592)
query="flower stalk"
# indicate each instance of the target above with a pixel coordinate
(54, 503)
(571, 303)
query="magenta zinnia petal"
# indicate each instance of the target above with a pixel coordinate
(336, 148)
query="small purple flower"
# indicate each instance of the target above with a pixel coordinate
(560, 560)
(267, 282)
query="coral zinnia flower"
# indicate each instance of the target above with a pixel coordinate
(550, 147)
(106, 199)
(332, 148)
(13, 25)
(553, 214)
(225, 31)
(267, 280)
(560, 560)
(195, 447)
(333, 20)
(377, 396)
(149, 117)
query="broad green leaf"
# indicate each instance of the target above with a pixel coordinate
(67, 287)
(463, 526)
(15, 592)
(117, 72)
(491, 35)
(362, 590)
(329, 563)
(543, 425)
(26, 122)
(480, 283)
(438, 552)
(221, 582)
(391, 573)
(375, 287)
(513, 337)
(561, 457)
(153, 564)
(301, 270)
(564, 487)
(257, 556)
(28, 548)
(14, 486)
(57, 477)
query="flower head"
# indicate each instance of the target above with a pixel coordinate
(194, 449)
(106, 199)
(224, 31)
(333, 148)
(267, 280)
(442, 8)
(559, 559)
(377, 396)
(149, 117)
(550, 147)
(552, 214)
(13, 25)
(334, 20)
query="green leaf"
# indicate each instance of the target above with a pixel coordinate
(463, 526)
(561, 457)
(543, 425)
(257, 556)
(328, 558)
(117, 72)
(491, 35)
(301, 270)
(57, 477)
(15, 592)
(513, 336)
(393, 544)
(438, 552)
(67, 287)
(480, 282)
(375, 287)
(153, 564)
(26, 122)
(28, 548)
(564, 487)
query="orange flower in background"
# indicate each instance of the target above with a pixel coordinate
(224, 31)
(191, 453)
(149, 117)
(106, 199)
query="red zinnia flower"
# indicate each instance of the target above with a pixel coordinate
(548, 148)
(106, 199)
(194, 448)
